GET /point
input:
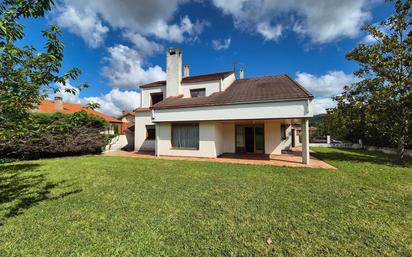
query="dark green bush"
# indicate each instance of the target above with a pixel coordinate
(57, 134)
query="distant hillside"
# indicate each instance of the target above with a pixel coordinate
(315, 120)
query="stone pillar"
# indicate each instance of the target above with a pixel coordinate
(305, 142)
(328, 140)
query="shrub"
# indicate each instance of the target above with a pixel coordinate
(57, 134)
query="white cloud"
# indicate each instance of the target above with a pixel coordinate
(324, 87)
(320, 105)
(221, 44)
(268, 31)
(85, 18)
(112, 103)
(327, 85)
(141, 43)
(125, 68)
(186, 30)
(320, 20)
(116, 101)
(83, 23)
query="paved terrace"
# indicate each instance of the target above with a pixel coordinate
(286, 159)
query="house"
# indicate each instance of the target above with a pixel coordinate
(57, 105)
(211, 114)
(127, 120)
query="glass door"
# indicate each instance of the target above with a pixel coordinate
(250, 139)
(259, 139)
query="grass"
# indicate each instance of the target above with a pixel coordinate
(113, 206)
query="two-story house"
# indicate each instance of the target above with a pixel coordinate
(211, 114)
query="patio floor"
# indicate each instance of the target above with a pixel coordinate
(286, 159)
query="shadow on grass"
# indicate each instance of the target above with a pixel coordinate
(23, 186)
(360, 156)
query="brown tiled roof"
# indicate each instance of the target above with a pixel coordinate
(154, 84)
(207, 77)
(48, 107)
(142, 109)
(259, 89)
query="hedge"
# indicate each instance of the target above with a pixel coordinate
(56, 134)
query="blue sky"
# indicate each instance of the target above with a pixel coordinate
(119, 45)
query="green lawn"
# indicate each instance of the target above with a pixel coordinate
(112, 206)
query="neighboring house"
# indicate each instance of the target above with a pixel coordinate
(211, 114)
(50, 106)
(127, 120)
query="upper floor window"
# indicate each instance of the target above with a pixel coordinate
(156, 97)
(201, 92)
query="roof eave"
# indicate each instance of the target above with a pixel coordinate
(234, 103)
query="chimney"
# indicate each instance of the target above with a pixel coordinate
(241, 73)
(186, 71)
(58, 103)
(173, 71)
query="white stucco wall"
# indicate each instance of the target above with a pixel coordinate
(266, 110)
(210, 86)
(287, 143)
(146, 99)
(273, 143)
(141, 144)
(217, 138)
(229, 145)
(228, 81)
(219, 130)
(207, 136)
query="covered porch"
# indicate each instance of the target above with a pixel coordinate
(263, 139)
(267, 139)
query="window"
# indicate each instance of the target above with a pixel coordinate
(201, 92)
(150, 132)
(156, 97)
(185, 135)
(283, 131)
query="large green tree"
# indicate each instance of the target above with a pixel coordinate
(382, 99)
(27, 74)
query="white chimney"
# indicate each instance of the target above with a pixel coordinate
(186, 72)
(58, 103)
(173, 71)
(241, 73)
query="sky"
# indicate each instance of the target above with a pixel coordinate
(121, 44)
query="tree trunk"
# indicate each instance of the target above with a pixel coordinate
(401, 148)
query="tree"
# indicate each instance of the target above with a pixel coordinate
(26, 74)
(382, 99)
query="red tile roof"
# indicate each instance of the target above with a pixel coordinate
(268, 88)
(48, 106)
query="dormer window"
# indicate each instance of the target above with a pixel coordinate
(156, 97)
(200, 92)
